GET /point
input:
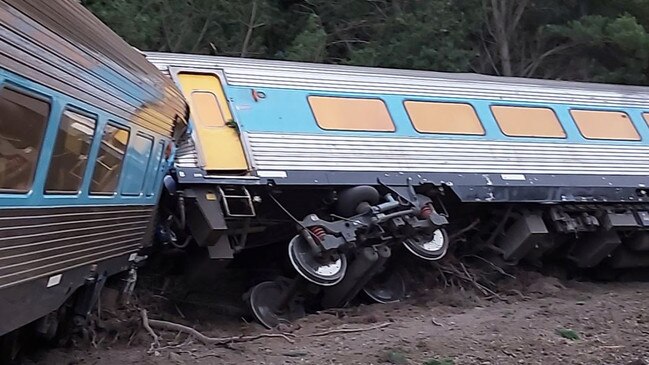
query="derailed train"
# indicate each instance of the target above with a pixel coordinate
(87, 128)
(342, 165)
(348, 164)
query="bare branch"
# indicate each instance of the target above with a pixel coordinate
(538, 61)
(170, 326)
(348, 330)
(147, 327)
(251, 28)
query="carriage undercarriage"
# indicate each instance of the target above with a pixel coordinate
(350, 241)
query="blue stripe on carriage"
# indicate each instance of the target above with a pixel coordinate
(58, 102)
(288, 111)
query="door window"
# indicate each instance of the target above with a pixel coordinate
(207, 110)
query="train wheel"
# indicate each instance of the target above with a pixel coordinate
(270, 305)
(428, 247)
(387, 287)
(323, 273)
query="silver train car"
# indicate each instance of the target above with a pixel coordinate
(87, 129)
(352, 165)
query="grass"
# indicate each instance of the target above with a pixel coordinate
(396, 357)
(568, 334)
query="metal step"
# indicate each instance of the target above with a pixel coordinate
(239, 196)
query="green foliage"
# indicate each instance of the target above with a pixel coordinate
(396, 358)
(135, 20)
(606, 49)
(568, 334)
(433, 35)
(594, 40)
(308, 45)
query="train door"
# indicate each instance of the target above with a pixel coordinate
(216, 130)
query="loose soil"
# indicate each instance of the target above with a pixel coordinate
(540, 321)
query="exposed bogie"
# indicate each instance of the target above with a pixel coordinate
(342, 240)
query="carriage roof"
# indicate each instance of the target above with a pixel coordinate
(59, 44)
(372, 80)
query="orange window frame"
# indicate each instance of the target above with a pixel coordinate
(443, 117)
(601, 124)
(351, 114)
(514, 121)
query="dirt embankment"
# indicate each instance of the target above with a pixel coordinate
(542, 321)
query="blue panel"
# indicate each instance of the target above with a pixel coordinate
(135, 165)
(288, 111)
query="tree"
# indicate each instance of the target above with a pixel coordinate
(605, 49)
(138, 21)
(430, 35)
(590, 40)
(308, 45)
(194, 26)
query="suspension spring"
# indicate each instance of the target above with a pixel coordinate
(426, 210)
(319, 232)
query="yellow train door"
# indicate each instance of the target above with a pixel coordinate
(220, 143)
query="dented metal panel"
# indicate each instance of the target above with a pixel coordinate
(61, 45)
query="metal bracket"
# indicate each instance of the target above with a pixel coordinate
(406, 193)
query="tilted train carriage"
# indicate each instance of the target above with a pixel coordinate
(350, 164)
(86, 129)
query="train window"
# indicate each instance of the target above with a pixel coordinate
(23, 120)
(161, 166)
(451, 118)
(156, 166)
(207, 110)
(136, 163)
(517, 121)
(108, 165)
(70, 155)
(351, 114)
(596, 124)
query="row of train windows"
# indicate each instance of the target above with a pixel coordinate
(23, 121)
(336, 113)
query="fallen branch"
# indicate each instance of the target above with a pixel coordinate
(494, 266)
(170, 326)
(348, 330)
(147, 327)
(518, 292)
(465, 275)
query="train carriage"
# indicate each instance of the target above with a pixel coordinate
(86, 131)
(348, 164)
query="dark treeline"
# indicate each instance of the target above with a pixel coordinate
(589, 40)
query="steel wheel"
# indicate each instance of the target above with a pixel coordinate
(388, 287)
(264, 301)
(428, 247)
(311, 268)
